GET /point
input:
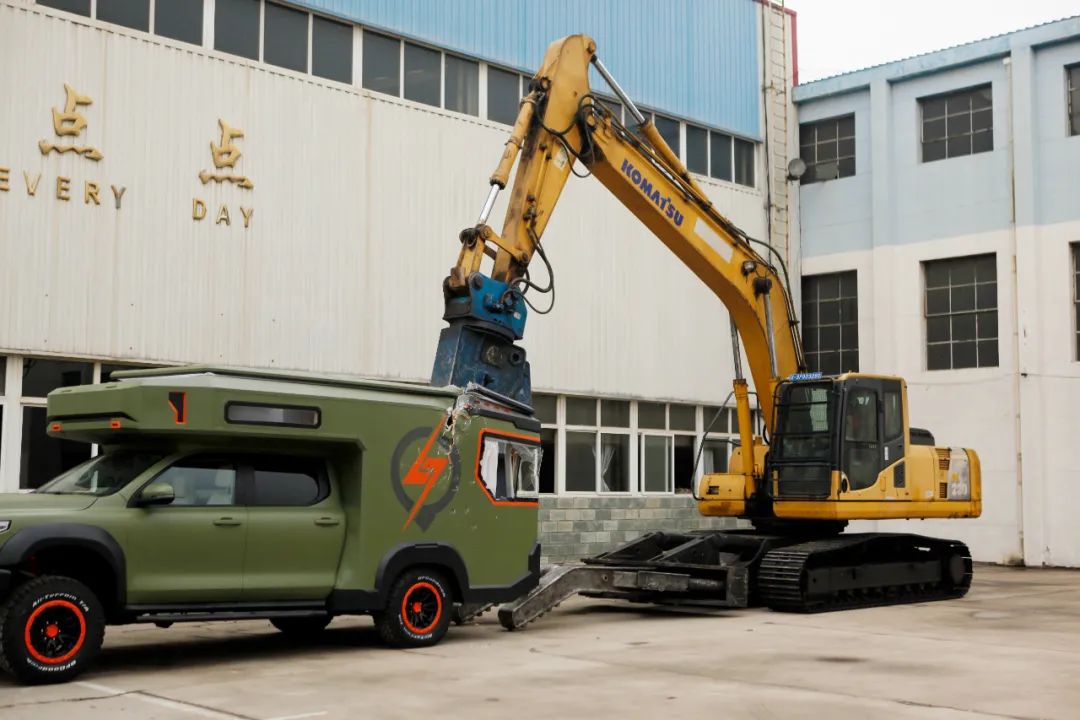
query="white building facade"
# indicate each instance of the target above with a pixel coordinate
(940, 241)
(280, 185)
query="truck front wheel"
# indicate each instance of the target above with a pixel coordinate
(418, 610)
(51, 629)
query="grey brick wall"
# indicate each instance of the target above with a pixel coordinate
(576, 527)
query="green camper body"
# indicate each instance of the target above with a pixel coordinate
(401, 491)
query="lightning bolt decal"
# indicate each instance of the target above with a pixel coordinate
(424, 471)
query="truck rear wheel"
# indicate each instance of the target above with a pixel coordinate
(51, 629)
(418, 610)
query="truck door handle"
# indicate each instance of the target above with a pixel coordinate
(227, 522)
(327, 521)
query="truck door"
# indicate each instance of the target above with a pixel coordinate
(191, 550)
(296, 529)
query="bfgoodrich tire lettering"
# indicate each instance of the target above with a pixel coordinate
(51, 628)
(418, 610)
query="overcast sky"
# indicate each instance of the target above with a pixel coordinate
(836, 36)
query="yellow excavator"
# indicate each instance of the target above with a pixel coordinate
(833, 449)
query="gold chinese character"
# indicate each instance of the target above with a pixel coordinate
(225, 154)
(71, 123)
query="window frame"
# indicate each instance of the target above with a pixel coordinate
(598, 430)
(276, 406)
(953, 95)
(1072, 86)
(308, 28)
(248, 470)
(810, 177)
(974, 312)
(1074, 270)
(240, 493)
(815, 355)
(503, 438)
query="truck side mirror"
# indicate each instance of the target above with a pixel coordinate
(158, 493)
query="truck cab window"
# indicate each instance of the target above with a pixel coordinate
(287, 482)
(201, 482)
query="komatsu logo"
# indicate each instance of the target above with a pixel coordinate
(667, 207)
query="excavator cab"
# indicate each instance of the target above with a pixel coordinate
(843, 445)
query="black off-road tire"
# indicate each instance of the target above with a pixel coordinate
(51, 629)
(300, 627)
(418, 610)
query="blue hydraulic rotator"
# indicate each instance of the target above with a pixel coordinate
(478, 345)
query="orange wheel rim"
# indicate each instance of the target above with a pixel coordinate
(421, 608)
(55, 632)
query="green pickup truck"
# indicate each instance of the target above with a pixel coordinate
(225, 494)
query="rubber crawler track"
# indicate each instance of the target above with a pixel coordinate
(782, 577)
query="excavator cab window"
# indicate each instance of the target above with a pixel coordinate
(862, 445)
(803, 448)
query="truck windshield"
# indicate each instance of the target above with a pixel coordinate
(102, 475)
(803, 428)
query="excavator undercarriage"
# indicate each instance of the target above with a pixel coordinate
(741, 568)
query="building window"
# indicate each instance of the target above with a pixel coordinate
(669, 130)
(744, 162)
(597, 445)
(331, 49)
(179, 20)
(1072, 79)
(422, 73)
(285, 37)
(504, 95)
(1076, 301)
(955, 124)
(697, 149)
(381, 64)
(730, 158)
(666, 440)
(828, 148)
(134, 14)
(961, 313)
(462, 90)
(236, 27)
(720, 156)
(43, 457)
(831, 322)
(546, 410)
(79, 7)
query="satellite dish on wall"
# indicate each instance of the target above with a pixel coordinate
(796, 169)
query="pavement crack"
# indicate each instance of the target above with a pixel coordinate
(58, 701)
(193, 705)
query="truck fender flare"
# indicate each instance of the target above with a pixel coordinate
(28, 541)
(407, 555)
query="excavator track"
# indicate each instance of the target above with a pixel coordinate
(856, 571)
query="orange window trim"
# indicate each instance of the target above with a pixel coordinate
(529, 439)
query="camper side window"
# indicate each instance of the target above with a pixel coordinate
(509, 470)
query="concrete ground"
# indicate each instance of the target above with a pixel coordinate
(1010, 649)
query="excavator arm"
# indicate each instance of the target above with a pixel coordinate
(561, 124)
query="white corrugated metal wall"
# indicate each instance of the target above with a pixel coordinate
(358, 199)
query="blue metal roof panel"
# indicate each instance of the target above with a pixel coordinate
(697, 59)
